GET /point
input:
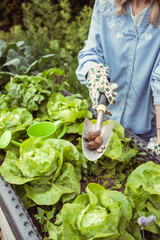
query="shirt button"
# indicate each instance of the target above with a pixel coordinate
(148, 36)
(119, 35)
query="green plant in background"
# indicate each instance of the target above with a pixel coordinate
(40, 19)
(14, 58)
(54, 28)
(31, 91)
(17, 58)
(11, 13)
(72, 36)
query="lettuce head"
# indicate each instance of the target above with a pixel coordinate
(96, 214)
(71, 109)
(46, 169)
(143, 189)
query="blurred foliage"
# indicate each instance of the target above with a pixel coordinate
(10, 13)
(55, 27)
(14, 58)
(17, 58)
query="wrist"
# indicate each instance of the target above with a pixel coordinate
(100, 70)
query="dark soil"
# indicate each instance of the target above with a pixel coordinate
(1, 161)
(32, 212)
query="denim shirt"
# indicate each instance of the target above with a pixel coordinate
(133, 56)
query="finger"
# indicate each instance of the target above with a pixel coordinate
(112, 102)
(115, 94)
(94, 105)
(114, 85)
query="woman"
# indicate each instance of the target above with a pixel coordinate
(123, 47)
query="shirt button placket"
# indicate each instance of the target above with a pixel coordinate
(130, 70)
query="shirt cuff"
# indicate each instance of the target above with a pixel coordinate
(156, 101)
(155, 86)
(82, 72)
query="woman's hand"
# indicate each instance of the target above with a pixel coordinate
(154, 145)
(97, 81)
(156, 149)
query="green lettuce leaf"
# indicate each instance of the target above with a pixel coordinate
(146, 176)
(10, 172)
(67, 149)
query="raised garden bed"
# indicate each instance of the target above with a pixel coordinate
(15, 221)
(111, 173)
(19, 224)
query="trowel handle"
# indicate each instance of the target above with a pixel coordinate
(102, 103)
(103, 100)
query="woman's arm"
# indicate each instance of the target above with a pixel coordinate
(92, 51)
(155, 86)
(157, 107)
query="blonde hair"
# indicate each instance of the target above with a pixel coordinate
(154, 12)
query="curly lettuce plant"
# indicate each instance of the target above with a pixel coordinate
(46, 171)
(31, 91)
(96, 214)
(143, 189)
(71, 109)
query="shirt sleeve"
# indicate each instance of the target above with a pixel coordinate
(92, 51)
(155, 84)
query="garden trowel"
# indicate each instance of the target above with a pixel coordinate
(106, 131)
